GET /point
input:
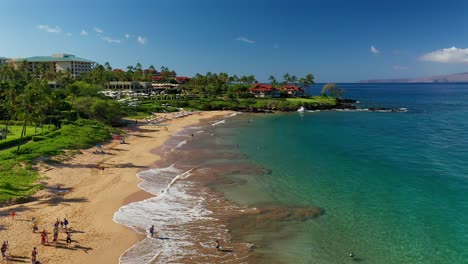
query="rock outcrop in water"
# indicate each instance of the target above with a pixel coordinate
(269, 216)
(283, 213)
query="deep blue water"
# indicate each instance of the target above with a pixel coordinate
(394, 185)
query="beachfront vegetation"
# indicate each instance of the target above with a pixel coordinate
(17, 173)
(38, 122)
(332, 90)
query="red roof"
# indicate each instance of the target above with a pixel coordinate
(117, 70)
(158, 78)
(182, 78)
(261, 87)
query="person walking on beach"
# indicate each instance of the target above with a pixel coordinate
(65, 224)
(68, 239)
(12, 214)
(218, 246)
(34, 256)
(4, 250)
(55, 238)
(151, 230)
(35, 227)
(44, 238)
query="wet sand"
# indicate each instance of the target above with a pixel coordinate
(211, 165)
(89, 197)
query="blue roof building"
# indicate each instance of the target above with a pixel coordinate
(58, 63)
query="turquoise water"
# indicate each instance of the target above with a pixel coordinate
(394, 185)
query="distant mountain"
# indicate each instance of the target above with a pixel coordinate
(449, 78)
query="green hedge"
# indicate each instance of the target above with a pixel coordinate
(12, 122)
(38, 138)
(13, 142)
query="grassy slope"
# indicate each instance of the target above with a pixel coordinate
(18, 178)
(147, 107)
(314, 100)
(15, 132)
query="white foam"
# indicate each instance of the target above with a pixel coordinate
(219, 122)
(171, 211)
(194, 127)
(183, 142)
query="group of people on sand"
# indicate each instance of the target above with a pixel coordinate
(58, 224)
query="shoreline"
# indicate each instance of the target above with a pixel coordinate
(92, 198)
(188, 215)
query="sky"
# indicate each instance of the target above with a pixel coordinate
(337, 41)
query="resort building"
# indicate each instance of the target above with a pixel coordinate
(182, 79)
(264, 90)
(130, 86)
(3, 60)
(57, 63)
(292, 90)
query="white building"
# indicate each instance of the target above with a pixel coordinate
(58, 63)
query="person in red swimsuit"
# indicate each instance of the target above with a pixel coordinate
(12, 214)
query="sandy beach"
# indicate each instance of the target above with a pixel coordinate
(88, 197)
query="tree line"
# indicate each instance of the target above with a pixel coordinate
(215, 84)
(26, 97)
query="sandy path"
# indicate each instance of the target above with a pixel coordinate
(93, 198)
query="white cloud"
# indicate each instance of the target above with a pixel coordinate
(374, 50)
(50, 29)
(449, 55)
(110, 40)
(246, 40)
(98, 30)
(141, 40)
(127, 36)
(400, 67)
(84, 32)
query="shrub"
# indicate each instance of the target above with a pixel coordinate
(38, 138)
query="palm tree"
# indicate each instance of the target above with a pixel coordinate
(9, 95)
(310, 79)
(138, 66)
(32, 100)
(251, 79)
(234, 79)
(303, 82)
(286, 78)
(272, 80)
(108, 66)
(293, 79)
(72, 90)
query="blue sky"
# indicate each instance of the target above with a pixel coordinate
(339, 41)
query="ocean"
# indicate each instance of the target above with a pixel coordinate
(313, 187)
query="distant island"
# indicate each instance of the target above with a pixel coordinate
(449, 78)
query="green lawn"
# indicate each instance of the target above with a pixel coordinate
(15, 131)
(17, 176)
(315, 100)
